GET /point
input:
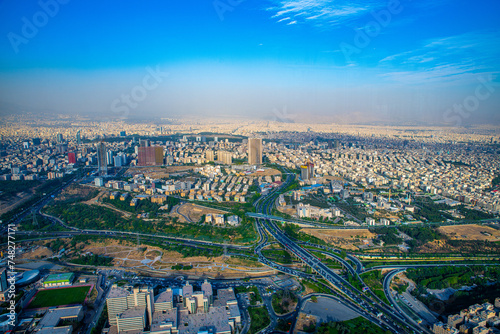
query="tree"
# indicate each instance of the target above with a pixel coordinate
(343, 254)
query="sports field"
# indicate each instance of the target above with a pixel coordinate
(61, 296)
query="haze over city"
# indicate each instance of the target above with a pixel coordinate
(383, 62)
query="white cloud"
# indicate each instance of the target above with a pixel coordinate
(322, 12)
(452, 58)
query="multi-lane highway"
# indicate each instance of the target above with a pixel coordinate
(367, 305)
(371, 309)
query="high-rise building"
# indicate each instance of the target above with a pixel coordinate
(310, 170)
(109, 157)
(307, 171)
(123, 133)
(225, 157)
(102, 163)
(60, 138)
(255, 151)
(62, 148)
(209, 155)
(36, 141)
(120, 160)
(139, 301)
(304, 174)
(71, 157)
(151, 156)
(144, 143)
(78, 138)
(207, 290)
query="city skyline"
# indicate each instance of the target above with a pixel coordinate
(392, 62)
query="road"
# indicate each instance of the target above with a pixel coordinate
(352, 297)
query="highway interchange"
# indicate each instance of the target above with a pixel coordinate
(368, 305)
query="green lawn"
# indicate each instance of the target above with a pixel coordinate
(55, 297)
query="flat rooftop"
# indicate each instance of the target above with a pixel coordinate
(223, 296)
(52, 317)
(216, 317)
(133, 312)
(164, 319)
(59, 277)
(56, 330)
(114, 330)
(165, 296)
(117, 292)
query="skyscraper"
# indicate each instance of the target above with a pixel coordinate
(151, 156)
(78, 138)
(102, 161)
(109, 157)
(255, 151)
(304, 173)
(310, 170)
(71, 157)
(60, 138)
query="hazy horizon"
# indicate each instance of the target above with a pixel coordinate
(389, 62)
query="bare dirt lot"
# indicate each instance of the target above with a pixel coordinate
(287, 209)
(158, 172)
(346, 239)
(156, 260)
(266, 172)
(38, 253)
(470, 232)
(75, 191)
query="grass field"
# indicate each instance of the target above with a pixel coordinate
(55, 297)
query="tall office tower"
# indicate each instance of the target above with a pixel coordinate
(62, 148)
(60, 138)
(71, 157)
(310, 170)
(255, 151)
(102, 163)
(151, 156)
(209, 155)
(144, 143)
(109, 157)
(36, 141)
(120, 159)
(304, 173)
(78, 138)
(225, 157)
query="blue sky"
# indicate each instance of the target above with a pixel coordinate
(343, 61)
